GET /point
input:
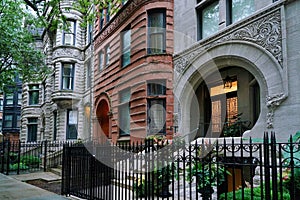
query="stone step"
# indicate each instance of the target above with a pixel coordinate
(57, 171)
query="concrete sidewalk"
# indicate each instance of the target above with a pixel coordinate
(11, 188)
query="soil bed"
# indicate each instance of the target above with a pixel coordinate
(54, 186)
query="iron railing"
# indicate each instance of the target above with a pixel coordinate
(224, 168)
(23, 157)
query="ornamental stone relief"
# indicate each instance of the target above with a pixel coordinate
(266, 32)
(272, 103)
(67, 52)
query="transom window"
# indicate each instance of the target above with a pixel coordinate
(155, 88)
(156, 31)
(67, 76)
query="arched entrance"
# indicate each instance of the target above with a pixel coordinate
(102, 114)
(228, 106)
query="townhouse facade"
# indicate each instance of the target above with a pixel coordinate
(133, 72)
(58, 108)
(237, 59)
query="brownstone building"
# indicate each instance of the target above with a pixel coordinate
(133, 71)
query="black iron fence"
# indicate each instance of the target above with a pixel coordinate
(226, 168)
(21, 157)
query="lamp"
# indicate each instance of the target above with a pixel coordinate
(227, 82)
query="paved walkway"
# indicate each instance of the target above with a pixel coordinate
(15, 189)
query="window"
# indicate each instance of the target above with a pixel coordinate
(69, 34)
(54, 125)
(72, 119)
(239, 9)
(32, 129)
(33, 94)
(124, 112)
(126, 40)
(88, 75)
(67, 76)
(19, 98)
(157, 87)
(156, 107)
(156, 31)
(101, 20)
(18, 121)
(209, 18)
(107, 55)
(9, 98)
(156, 116)
(100, 60)
(90, 32)
(8, 121)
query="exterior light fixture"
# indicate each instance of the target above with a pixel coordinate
(227, 82)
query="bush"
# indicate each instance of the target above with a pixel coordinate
(30, 160)
(256, 194)
(14, 167)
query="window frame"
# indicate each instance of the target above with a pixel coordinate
(125, 49)
(70, 32)
(31, 91)
(124, 106)
(157, 31)
(156, 92)
(32, 122)
(70, 76)
(100, 60)
(107, 55)
(70, 125)
(200, 9)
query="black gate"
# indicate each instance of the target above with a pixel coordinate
(83, 175)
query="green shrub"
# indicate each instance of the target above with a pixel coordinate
(14, 167)
(256, 194)
(30, 160)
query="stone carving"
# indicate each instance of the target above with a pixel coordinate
(265, 32)
(272, 103)
(67, 52)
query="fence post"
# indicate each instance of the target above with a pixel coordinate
(45, 155)
(8, 157)
(267, 166)
(274, 167)
(19, 156)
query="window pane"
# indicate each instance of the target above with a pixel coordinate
(68, 39)
(72, 124)
(124, 119)
(8, 121)
(156, 31)
(107, 54)
(100, 60)
(73, 117)
(155, 89)
(1, 104)
(67, 79)
(9, 99)
(126, 40)
(210, 19)
(241, 9)
(125, 96)
(156, 116)
(32, 129)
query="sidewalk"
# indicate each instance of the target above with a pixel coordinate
(13, 189)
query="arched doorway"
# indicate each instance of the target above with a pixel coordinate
(230, 106)
(102, 114)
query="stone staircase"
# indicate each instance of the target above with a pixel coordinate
(57, 170)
